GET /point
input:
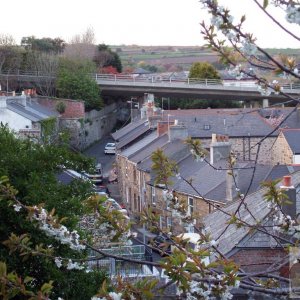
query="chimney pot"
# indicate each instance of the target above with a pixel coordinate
(287, 181)
(213, 138)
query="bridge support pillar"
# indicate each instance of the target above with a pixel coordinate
(265, 103)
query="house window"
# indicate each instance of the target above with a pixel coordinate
(206, 127)
(190, 205)
(134, 175)
(153, 198)
(161, 219)
(127, 195)
(169, 222)
(190, 228)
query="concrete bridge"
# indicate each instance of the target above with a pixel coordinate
(136, 86)
(188, 88)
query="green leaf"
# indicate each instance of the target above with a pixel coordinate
(47, 287)
(3, 269)
(28, 279)
(266, 3)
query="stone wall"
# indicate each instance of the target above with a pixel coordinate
(99, 123)
(158, 205)
(281, 152)
(85, 128)
(130, 187)
(242, 147)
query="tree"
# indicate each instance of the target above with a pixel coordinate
(46, 44)
(81, 46)
(10, 54)
(45, 65)
(32, 169)
(185, 267)
(203, 70)
(74, 81)
(105, 57)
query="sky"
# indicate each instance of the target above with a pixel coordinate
(140, 22)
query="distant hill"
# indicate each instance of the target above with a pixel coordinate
(174, 58)
(164, 58)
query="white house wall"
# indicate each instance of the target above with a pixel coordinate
(296, 159)
(14, 120)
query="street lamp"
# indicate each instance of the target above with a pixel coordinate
(132, 99)
(169, 126)
(162, 104)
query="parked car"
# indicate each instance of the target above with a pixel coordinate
(161, 244)
(110, 148)
(101, 189)
(96, 177)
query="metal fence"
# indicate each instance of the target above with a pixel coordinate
(125, 79)
(114, 267)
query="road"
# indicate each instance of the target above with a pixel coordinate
(97, 151)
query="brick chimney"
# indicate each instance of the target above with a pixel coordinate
(289, 208)
(162, 127)
(220, 147)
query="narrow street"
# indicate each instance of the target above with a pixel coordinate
(97, 151)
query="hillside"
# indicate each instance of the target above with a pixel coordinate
(174, 58)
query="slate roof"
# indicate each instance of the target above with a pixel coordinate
(292, 136)
(232, 122)
(138, 133)
(293, 121)
(175, 150)
(131, 150)
(146, 151)
(32, 111)
(119, 134)
(210, 182)
(279, 171)
(216, 222)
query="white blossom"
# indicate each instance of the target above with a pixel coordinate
(217, 21)
(293, 14)
(58, 262)
(74, 265)
(115, 296)
(248, 48)
(214, 243)
(17, 207)
(61, 233)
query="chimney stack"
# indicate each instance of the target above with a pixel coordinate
(220, 148)
(177, 131)
(289, 206)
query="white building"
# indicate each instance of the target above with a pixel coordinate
(23, 115)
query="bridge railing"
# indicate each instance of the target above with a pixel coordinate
(152, 79)
(27, 74)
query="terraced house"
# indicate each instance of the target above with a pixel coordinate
(221, 132)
